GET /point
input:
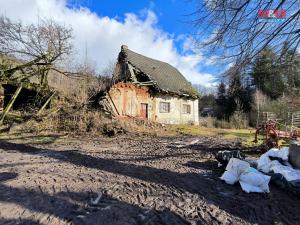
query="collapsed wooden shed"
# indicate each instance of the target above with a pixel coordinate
(22, 89)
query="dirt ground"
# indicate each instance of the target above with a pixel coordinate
(130, 179)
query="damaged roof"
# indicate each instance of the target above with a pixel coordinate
(165, 76)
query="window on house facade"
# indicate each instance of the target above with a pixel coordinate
(164, 107)
(186, 109)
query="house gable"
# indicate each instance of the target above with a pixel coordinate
(149, 89)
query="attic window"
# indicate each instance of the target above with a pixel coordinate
(164, 107)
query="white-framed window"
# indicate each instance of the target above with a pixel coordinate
(164, 107)
(186, 109)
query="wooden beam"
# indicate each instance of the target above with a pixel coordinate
(133, 77)
(10, 104)
(113, 103)
(46, 103)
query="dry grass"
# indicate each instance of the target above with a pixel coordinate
(246, 135)
(77, 122)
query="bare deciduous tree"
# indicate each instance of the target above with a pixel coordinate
(239, 33)
(109, 69)
(38, 48)
(91, 83)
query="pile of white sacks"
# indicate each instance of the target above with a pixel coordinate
(255, 180)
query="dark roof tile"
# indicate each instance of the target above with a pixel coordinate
(166, 77)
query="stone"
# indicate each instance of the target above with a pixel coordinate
(294, 154)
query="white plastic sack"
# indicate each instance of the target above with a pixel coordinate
(230, 177)
(282, 153)
(250, 179)
(237, 165)
(254, 181)
(266, 165)
(234, 169)
(264, 162)
(289, 173)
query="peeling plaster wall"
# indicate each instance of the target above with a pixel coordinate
(176, 115)
(128, 98)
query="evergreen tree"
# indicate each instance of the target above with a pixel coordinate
(239, 97)
(221, 95)
(289, 68)
(234, 91)
(225, 102)
(266, 75)
(246, 99)
(221, 102)
(235, 98)
(207, 101)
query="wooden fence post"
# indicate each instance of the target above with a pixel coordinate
(10, 104)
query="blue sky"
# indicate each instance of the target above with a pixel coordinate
(173, 15)
(158, 29)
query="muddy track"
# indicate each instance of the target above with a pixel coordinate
(130, 180)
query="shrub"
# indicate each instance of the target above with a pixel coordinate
(207, 121)
(238, 120)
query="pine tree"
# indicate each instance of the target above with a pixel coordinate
(221, 102)
(289, 68)
(239, 97)
(266, 75)
(221, 95)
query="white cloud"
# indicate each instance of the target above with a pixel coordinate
(103, 36)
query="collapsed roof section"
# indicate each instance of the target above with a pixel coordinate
(147, 71)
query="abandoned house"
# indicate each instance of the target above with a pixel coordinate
(150, 89)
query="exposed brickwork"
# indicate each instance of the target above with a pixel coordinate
(128, 98)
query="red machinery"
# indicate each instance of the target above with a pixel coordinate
(273, 135)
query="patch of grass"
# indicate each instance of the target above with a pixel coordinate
(245, 135)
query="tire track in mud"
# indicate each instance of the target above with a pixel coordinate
(160, 184)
